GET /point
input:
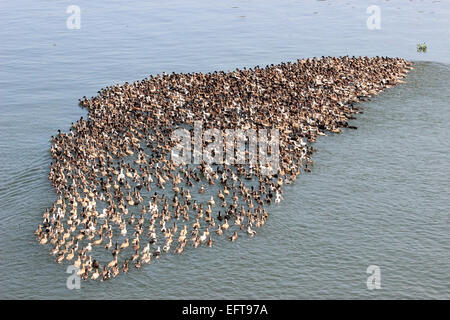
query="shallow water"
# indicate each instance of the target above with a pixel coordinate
(378, 195)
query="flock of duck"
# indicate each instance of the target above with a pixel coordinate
(122, 198)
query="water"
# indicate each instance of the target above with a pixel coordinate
(378, 195)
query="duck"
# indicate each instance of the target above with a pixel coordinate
(146, 258)
(60, 257)
(135, 256)
(278, 197)
(44, 239)
(98, 241)
(250, 231)
(95, 275)
(204, 236)
(108, 245)
(146, 249)
(179, 250)
(121, 176)
(113, 262)
(166, 247)
(138, 264)
(70, 255)
(125, 266)
(219, 230)
(55, 250)
(77, 263)
(101, 171)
